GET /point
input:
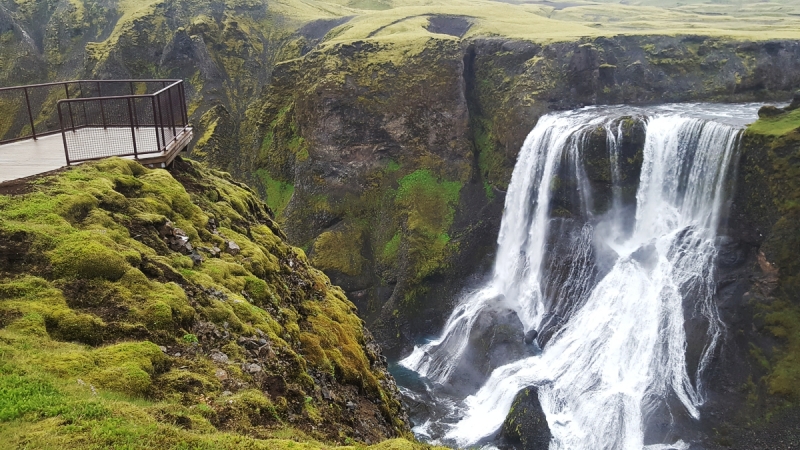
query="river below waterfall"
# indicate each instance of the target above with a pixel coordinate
(607, 250)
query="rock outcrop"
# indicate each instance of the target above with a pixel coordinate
(526, 426)
(758, 294)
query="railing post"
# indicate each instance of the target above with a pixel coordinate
(184, 111)
(71, 119)
(30, 113)
(83, 104)
(102, 108)
(133, 130)
(63, 135)
(155, 122)
(172, 114)
(135, 116)
(161, 122)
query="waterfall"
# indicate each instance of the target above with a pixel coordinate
(618, 354)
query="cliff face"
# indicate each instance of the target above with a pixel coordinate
(388, 162)
(758, 292)
(151, 308)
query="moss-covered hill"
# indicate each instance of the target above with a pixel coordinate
(147, 308)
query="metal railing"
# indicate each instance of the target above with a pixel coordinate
(97, 118)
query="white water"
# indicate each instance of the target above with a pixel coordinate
(622, 352)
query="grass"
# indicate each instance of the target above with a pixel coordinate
(404, 21)
(778, 125)
(278, 193)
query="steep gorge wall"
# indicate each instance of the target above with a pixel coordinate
(388, 162)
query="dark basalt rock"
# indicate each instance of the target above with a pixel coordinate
(530, 336)
(497, 338)
(795, 102)
(525, 427)
(769, 111)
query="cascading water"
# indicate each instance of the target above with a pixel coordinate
(618, 352)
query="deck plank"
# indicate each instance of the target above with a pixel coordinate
(26, 158)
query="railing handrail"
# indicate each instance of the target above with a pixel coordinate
(57, 83)
(112, 97)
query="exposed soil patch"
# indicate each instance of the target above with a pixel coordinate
(450, 25)
(317, 29)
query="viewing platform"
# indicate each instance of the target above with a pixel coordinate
(45, 127)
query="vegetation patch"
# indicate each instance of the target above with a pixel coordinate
(340, 251)
(428, 207)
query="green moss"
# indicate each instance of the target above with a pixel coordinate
(391, 248)
(490, 158)
(782, 319)
(71, 326)
(339, 251)
(428, 207)
(337, 340)
(102, 289)
(278, 193)
(778, 125)
(88, 258)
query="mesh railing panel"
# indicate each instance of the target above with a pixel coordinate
(43, 100)
(166, 120)
(13, 115)
(96, 128)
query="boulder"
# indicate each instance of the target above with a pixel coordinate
(795, 102)
(525, 427)
(497, 338)
(231, 248)
(769, 111)
(530, 337)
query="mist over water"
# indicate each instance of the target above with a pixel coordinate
(614, 316)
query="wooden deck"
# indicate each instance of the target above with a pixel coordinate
(31, 157)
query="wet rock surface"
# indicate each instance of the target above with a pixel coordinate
(526, 426)
(497, 338)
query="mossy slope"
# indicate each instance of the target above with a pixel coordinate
(110, 338)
